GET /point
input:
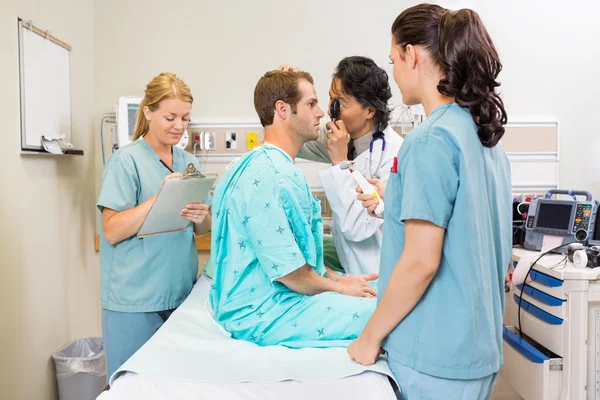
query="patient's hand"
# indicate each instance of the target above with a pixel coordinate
(358, 286)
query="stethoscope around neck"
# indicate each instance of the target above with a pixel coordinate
(379, 135)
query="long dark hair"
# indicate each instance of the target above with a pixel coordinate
(463, 50)
(368, 83)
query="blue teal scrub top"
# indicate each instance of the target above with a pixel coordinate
(447, 177)
(156, 272)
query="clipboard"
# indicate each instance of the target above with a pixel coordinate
(164, 215)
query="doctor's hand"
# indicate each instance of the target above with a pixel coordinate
(287, 68)
(367, 200)
(337, 142)
(195, 212)
(357, 286)
(364, 350)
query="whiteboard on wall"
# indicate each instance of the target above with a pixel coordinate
(45, 87)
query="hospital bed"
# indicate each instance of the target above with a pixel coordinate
(191, 357)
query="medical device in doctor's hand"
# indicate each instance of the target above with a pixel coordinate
(334, 109)
(366, 187)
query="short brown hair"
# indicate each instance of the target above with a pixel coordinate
(275, 86)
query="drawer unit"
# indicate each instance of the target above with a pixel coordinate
(547, 328)
(532, 371)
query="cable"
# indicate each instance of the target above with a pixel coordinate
(405, 126)
(519, 207)
(105, 117)
(525, 282)
(562, 262)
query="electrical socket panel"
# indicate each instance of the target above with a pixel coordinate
(210, 141)
(225, 140)
(205, 140)
(251, 140)
(231, 141)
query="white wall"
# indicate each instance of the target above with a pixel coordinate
(549, 50)
(49, 275)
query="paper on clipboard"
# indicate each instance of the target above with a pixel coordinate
(175, 194)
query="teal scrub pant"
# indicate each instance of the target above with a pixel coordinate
(123, 333)
(415, 385)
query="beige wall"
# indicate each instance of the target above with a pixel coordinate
(548, 48)
(49, 282)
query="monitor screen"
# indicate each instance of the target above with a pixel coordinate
(554, 216)
(596, 236)
(131, 117)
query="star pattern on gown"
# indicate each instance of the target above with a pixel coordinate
(275, 266)
(242, 244)
(256, 182)
(321, 332)
(280, 230)
(355, 315)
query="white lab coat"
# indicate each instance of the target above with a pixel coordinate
(356, 235)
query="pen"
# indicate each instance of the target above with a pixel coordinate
(166, 166)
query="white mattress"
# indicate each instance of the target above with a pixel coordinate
(188, 358)
(368, 385)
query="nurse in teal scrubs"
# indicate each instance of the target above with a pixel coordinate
(144, 279)
(447, 233)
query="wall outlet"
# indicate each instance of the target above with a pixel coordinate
(251, 140)
(230, 141)
(208, 141)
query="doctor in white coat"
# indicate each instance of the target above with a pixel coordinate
(362, 138)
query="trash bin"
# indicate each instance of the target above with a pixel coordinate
(81, 369)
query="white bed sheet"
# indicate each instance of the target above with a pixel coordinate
(368, 385)
(185, 360)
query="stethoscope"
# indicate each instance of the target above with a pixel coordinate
(376, 136)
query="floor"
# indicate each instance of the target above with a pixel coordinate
(502, 391)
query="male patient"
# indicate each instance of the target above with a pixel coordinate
(269, 282)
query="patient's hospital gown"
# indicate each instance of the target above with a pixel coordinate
(267, 224)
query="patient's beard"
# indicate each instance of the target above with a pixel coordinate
(304, 129)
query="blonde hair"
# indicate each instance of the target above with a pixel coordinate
(163, 87)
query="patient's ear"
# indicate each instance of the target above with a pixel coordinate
(282, 109)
